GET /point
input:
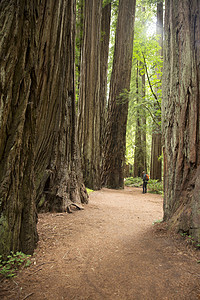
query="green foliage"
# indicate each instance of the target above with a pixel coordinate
(89, 191)
(190, 239)
(14, 262)
(155, 187)
(146, 60)
(157, 221)
(106, 2)
(123, 97)
(134, 182)
(146, 52)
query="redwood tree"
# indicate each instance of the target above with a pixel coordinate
(181, 116)
(115, 147)
(140, 131)
(39, 162)
(89, 105)
(105, 38)
(156, 145)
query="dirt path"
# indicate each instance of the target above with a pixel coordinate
(110, 250)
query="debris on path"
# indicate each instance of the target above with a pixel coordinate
(109, 251)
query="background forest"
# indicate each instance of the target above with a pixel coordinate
(87, 89)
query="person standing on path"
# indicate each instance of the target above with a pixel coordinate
(145, 180)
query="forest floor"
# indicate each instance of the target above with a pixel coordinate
(109, 250)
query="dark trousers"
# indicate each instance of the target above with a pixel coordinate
(144, 186)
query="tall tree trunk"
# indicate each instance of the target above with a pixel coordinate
(140, 130)
(79, 41)
(144, 126)
(89, 105)
(156, 151)
(37, 117)
(17, 131)
(181, 116)
(137, 168)
(56, 150)
(105, 38)
(156, 145)
(114, 162)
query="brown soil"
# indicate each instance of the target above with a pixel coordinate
(109, 250)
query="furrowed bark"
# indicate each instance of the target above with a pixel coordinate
(156, 145)
(115, 145)
(181, 116)
(39, 161)
(89, 103)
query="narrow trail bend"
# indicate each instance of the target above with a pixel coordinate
(111, 250)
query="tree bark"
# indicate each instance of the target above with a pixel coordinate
(105, 38)
(89, 104)
(156, 144)
(57, 166)
(79, 41)
(156, 152)
(38, 157)
(17, 131)
(114, 162)
(140, 130)
(144, 125)
(181, 116)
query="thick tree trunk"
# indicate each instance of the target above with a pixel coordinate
(56, 149)
(89, 105)
(17, 131)
(181, 116)
(105, 38)
(37, 117)
(114, 163)
(156, 145)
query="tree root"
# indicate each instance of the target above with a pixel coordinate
(80, 207)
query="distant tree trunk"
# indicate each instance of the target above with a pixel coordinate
(38, 157)
(181, 116)
(156, 151)
(140, 131)
(156, 145)
(105, 38)
(143, 114)
(144, 125)
(115, 148)
(137, 169)
(89, 104)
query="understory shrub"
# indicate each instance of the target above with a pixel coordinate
(154, 186)
(13, 262)
(133, 181)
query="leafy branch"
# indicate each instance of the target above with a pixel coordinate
(149, 81)
(151, 114)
